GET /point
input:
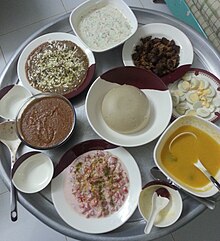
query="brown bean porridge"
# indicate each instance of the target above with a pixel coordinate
(46, 122)
(57, 67)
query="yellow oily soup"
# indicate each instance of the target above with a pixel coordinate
(185, 151)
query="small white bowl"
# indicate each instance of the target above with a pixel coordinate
(170, 214)
(32, 172)
(199, 123)
(102, 26)
(12, 97)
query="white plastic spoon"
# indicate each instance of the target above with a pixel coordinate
(9, 137)
(202, 168)
(160, 199)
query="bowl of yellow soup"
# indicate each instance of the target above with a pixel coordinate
(177, 163)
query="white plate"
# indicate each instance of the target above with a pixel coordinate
(156, 91)
(103, 224)
(159, 30)
(213, 81)
(49, 37)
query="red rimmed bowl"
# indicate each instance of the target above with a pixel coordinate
(57, 63)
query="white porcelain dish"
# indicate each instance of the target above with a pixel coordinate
(170, 214)
(52, 37)
(105, 27)
(159, 30)
(102, 224)
(204, 88)
(12, 98)
(157, 93)
(204, 125)
(32, 172)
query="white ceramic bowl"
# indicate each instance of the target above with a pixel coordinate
(105, 26)
(12, 97)
(32, 172)
(170, 214)
(197, 122)
(156, 91)
(55, 36)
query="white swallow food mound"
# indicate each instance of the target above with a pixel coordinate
(126, 109)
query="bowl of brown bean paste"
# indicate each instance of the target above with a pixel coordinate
(45, 121)
(56, 63)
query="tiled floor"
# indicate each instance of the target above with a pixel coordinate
(18, 20)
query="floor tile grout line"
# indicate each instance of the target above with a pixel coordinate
(64, 6)
(171, 234)
(28, 25)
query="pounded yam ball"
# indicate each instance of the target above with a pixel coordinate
(126, 109)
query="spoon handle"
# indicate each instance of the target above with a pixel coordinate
(209, 203)
(150, 221)
(13, 203)
(203, 169)
(13, 191)
(215, 182)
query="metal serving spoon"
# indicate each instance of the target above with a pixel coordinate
(202, 168)
(186, 133)
(9, 137)
(198, 163)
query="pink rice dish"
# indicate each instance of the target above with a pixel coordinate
(97, 184)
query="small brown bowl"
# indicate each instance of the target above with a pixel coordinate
(45, 121)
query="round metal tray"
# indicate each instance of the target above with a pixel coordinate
(40, 204)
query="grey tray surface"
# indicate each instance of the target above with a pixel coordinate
(40, 204)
